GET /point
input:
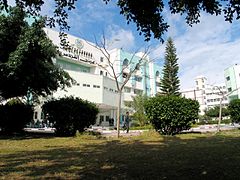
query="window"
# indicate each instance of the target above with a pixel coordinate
(78, 84)
(228, 78)
(127, 90)
(106, 73)
(101, 59)
(86, 85)
(105, 88)
(137, 91)
(157, 74)
(124, 75)
(229, 89)
(101, 119)
(96, 86)
(125, 62)
(138, 79)
(101, 72)
(196, 82)
(107, 118)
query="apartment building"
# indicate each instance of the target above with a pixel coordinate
(86, 63)
(208, 95)
(232, 81)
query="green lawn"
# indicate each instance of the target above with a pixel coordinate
(149, 156)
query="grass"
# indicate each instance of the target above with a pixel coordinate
(149, 156)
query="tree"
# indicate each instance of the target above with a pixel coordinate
(214, 112)
(170, 115)
(139, 110)
(170, 82)
(70, 114)
(128, 66)
(26, 58)
(234, 110)
(148, 15)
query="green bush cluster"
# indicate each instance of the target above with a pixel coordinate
(14, 116)
(170, 115)
(70, 114)
(234, 110)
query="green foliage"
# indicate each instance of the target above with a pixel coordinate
(234, 110)
(214, 112)
(224, 121)
(139, 110)
(170, 82)
(26, 58)
(70, 114)
(171, 114)
(14, 116)
(147, 15)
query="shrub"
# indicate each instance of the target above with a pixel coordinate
(170, 115)
(15, 115)
(234, 110)
(70, 114)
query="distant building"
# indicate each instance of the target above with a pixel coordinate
(232, 81)
(207, 95)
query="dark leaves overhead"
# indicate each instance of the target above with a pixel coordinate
(146, 14)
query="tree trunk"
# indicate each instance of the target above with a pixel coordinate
(119, 113)
(220, 115)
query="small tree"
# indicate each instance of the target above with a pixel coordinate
(171, 114)
(70, 114)
(139, 110)
(170, 82)
(234, 110)
(14, 116)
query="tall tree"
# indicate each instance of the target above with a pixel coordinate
(131, 66)
(170, 82)
(26, 58)
(147, 15)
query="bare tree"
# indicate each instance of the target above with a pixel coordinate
(112, 71)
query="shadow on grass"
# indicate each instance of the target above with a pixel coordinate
(213, 157)
(26, 135)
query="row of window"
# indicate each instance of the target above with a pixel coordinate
(135, 91)
(110, 89)
(216, 100)
(88, 85)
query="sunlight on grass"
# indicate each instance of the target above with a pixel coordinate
(149, 156)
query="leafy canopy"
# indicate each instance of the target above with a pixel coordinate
(170, 115)
(26, 54)
(234, 110)
(147, 15)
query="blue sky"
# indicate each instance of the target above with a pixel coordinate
(204, 49)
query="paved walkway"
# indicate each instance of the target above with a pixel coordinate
(113, 133)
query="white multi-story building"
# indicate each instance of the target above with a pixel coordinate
(207, 95)
(88, 66)
(232, 80)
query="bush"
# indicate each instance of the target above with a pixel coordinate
(70, 114)
(15, 115)
(234, 110)
(170, 115)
